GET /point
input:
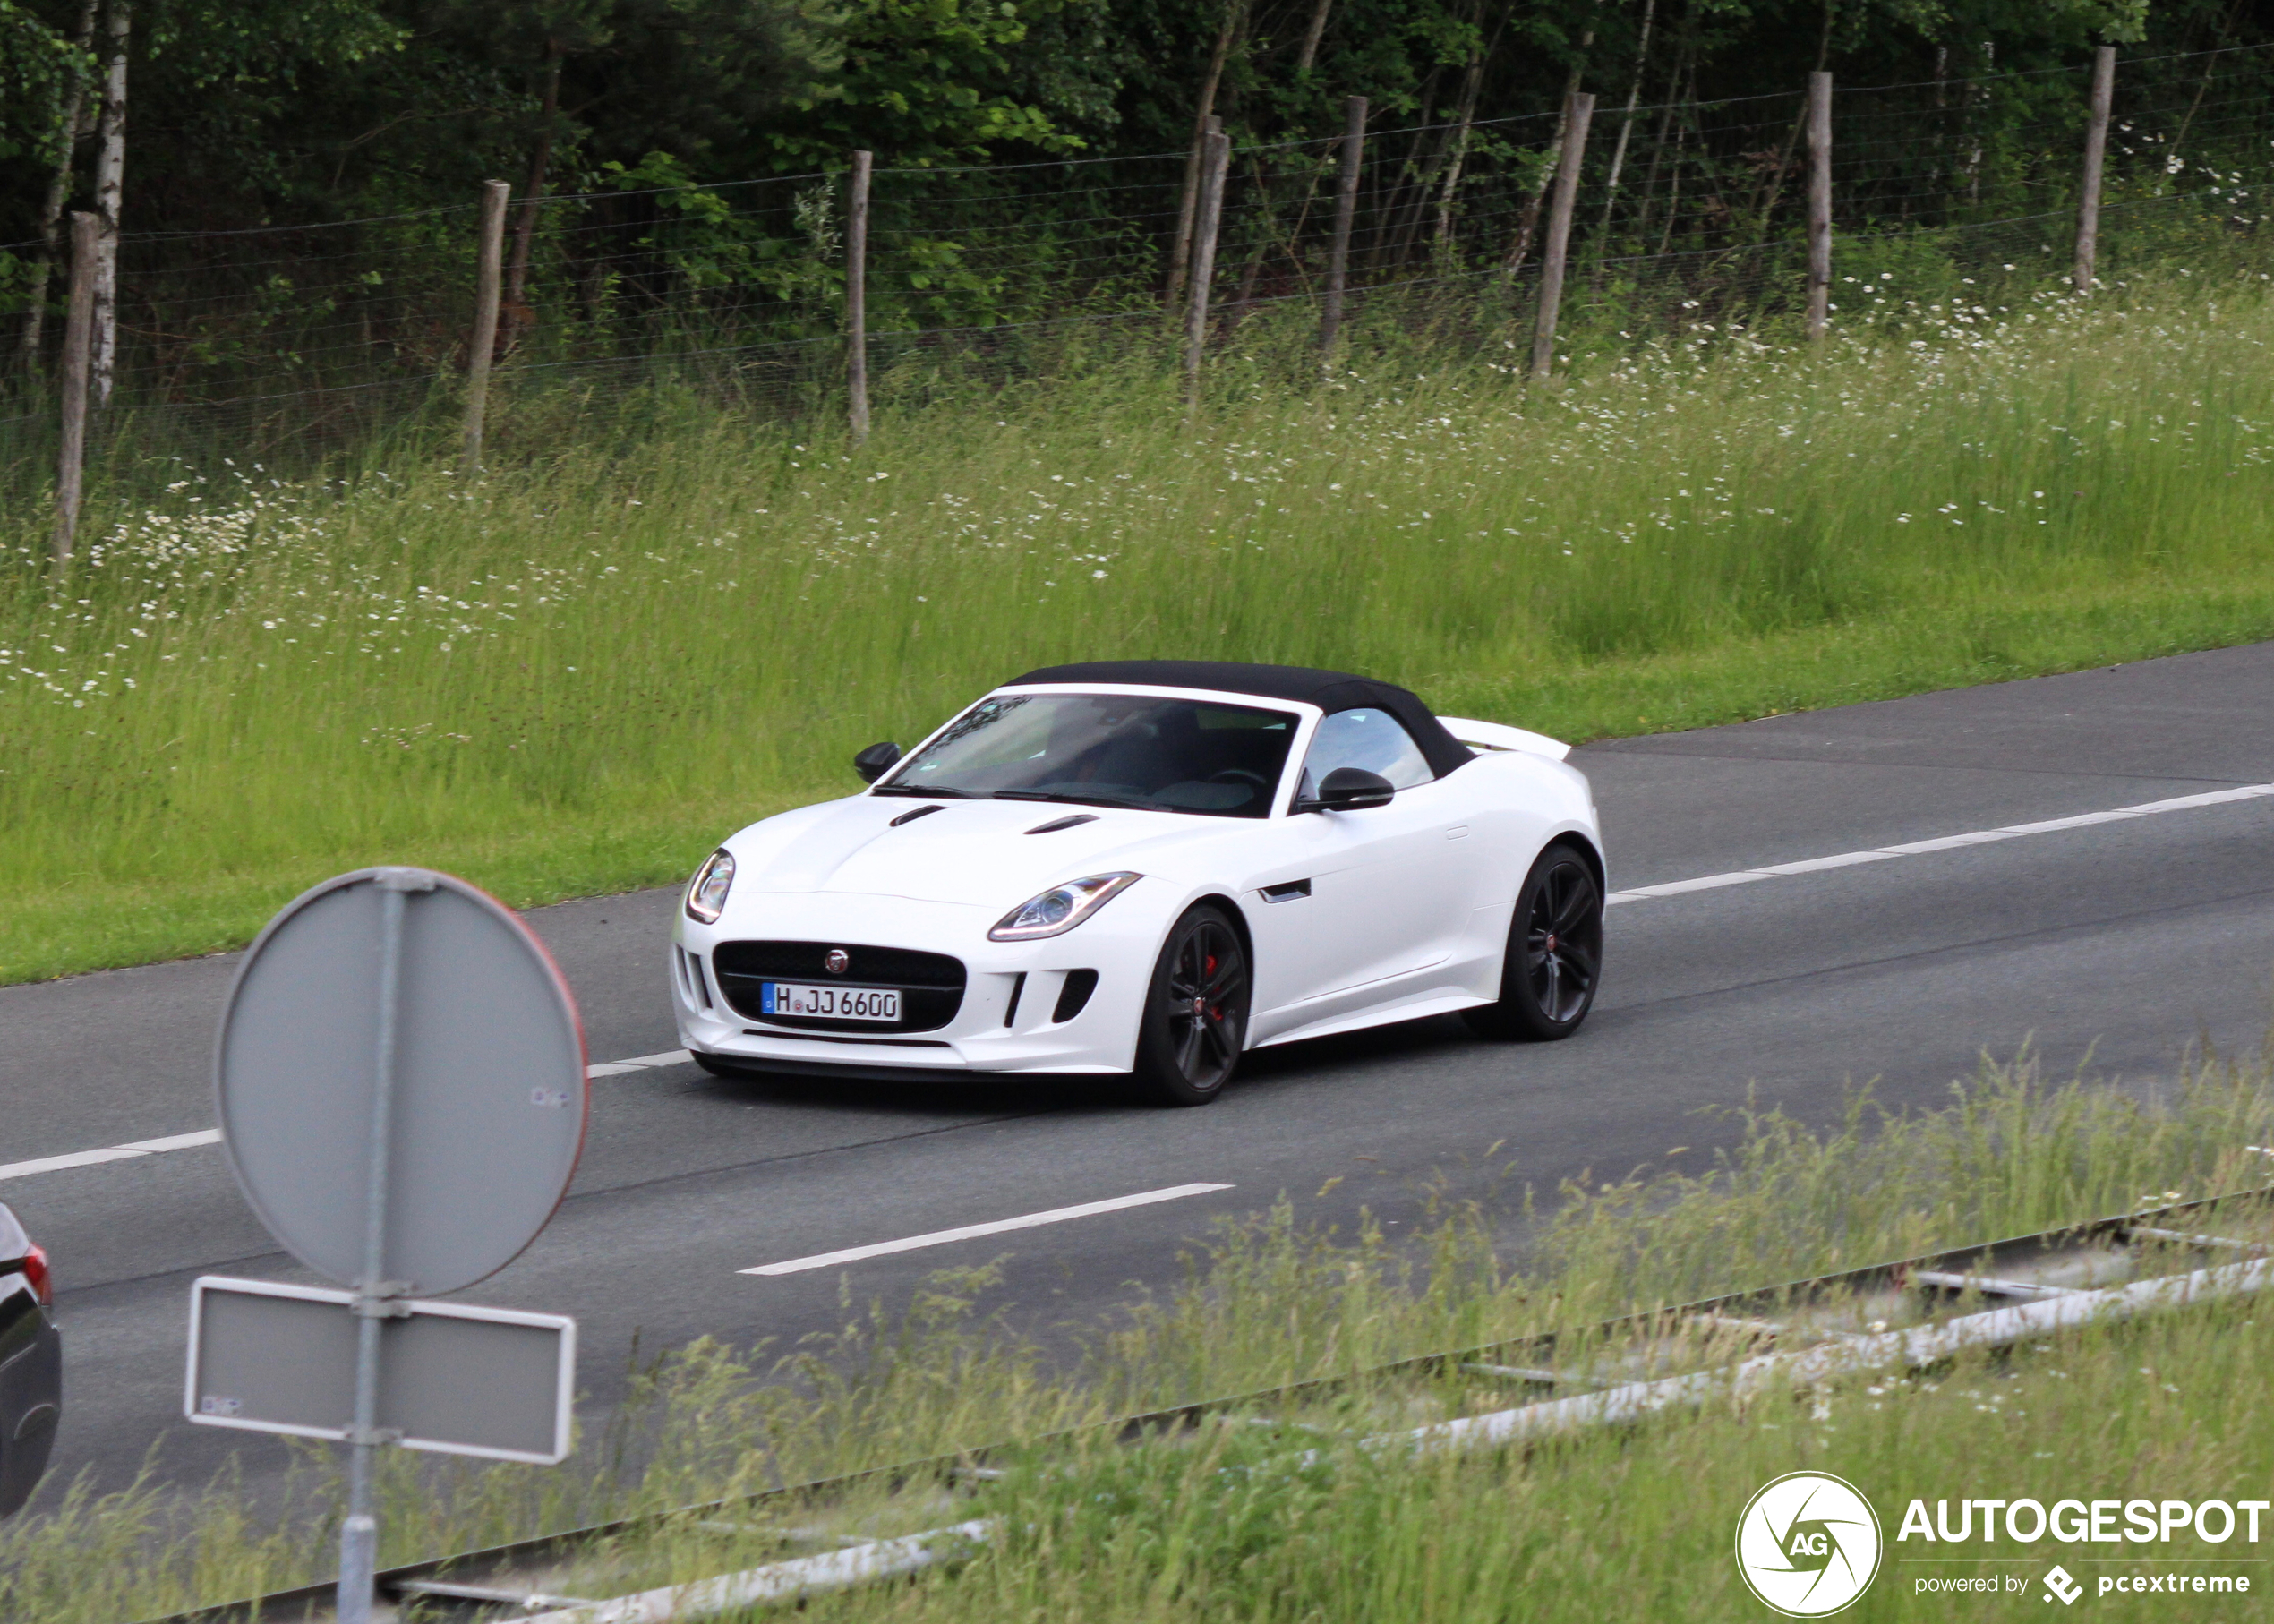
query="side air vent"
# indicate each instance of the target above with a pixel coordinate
(1074, 995)
(690, 978)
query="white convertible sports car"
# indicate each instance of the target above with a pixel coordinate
(1151, 867)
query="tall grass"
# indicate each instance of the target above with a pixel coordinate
(1227, 1527)
(576, 674)
(1266, 1525)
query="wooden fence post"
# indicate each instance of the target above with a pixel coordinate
(79, 342)
(1346, 209)
(1180, 253)
(1577, 113)
(857, 297)
(1820, 204)
(2096, 148)
(1214, 163)
(487, 266)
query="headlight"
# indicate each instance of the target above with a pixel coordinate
(706, 897)
(1060, 908)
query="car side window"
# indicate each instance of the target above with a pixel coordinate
(1375, 740)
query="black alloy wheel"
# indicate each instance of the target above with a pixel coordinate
(1194, 1023)
(1554, 957)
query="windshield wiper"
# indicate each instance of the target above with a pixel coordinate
(1096, 798)
(935, 791)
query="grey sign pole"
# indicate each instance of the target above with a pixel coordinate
(402, 1084)
(374, 1293)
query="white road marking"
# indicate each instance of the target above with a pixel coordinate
(212, 1136)
(639, 1062)
(1948, 843)
(941, 1237)
(1640, 893)
(110, 1153)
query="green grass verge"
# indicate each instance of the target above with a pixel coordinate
(575, 676)
(1619, 1522)
(1280, 1526)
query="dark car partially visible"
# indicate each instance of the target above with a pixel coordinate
(31, 1364)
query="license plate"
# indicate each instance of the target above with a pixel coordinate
(830, 1002)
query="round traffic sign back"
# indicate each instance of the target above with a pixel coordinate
(486, 1115)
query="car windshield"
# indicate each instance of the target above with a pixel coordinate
(1107, 750)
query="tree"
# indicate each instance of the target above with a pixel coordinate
(41, 69)
(680, 70)
(110, 180)
(924, 84)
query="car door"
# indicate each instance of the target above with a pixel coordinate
(1358, 902)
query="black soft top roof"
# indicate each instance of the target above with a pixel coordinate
(1330, 691)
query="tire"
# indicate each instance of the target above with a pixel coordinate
(1194, 1022)
(1554, 958)
(24, 1459)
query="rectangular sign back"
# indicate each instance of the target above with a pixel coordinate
(453, 1377)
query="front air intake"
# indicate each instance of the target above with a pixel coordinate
(930, 984)
(1075, 994)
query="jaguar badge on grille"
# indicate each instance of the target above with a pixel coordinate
(837, 961)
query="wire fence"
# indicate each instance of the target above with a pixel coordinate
(303, 340)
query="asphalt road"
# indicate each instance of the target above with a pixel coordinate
(2126, 940)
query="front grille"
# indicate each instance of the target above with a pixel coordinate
(930, 984)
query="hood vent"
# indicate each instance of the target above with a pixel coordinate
(909, 817)
(1063, 823)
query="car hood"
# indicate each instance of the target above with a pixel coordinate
(975, 852)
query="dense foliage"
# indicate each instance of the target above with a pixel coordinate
(248, 111)
(294, 240)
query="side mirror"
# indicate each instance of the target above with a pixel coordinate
(1349, 789)
(873, 763)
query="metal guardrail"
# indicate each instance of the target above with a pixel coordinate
(2014, 1271)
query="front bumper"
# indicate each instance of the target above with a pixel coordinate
(987, 1032)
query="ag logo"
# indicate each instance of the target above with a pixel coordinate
(1807, 1544)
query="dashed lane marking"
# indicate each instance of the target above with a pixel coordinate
(941, 1237)
(639, 1062)
(109, 1153)
(1948, 843)
(212, 1136)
